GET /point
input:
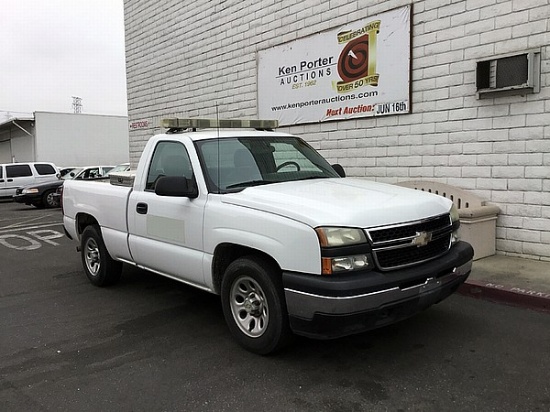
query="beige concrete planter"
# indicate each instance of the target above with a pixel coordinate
(477, 217)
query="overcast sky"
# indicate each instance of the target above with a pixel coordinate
(52, 50)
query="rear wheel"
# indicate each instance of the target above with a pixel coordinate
(254, 306)
(100, 268)
(49, 199)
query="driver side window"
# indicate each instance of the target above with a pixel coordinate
(169, 159)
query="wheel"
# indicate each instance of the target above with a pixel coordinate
(49, 199)
(254, 306)
(100, 268)
(289, 163)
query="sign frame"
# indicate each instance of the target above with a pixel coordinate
(361, 69)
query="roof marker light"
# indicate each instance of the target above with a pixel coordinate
(180, 123)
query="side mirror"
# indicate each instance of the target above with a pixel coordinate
(339, 169)
(176, 186)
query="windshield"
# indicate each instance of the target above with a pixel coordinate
(231, 164)
(120, 168)
(72, 174)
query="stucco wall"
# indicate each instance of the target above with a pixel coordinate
(186, 58)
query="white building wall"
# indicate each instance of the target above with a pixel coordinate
(186, 58)
(17, 141)
(22, 148)
(80, 140)
(5, 152)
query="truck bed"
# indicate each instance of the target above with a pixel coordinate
(107, 203)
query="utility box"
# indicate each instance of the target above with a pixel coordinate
(477, 217)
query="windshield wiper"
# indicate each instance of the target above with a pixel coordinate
(249, 184)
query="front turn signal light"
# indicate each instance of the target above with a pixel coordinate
(341, 264)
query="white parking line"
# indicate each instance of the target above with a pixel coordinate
(26, 222)
(8, 229)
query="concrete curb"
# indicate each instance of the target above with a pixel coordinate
(509, 295)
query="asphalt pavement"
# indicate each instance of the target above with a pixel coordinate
(153, 344)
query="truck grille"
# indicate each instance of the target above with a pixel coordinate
(411, 243)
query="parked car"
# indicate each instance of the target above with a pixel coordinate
(123, 167)
(90, 172)
(64, 170)
(14, 175)
(44, 194)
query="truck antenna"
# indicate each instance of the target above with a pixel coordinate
(218, 131)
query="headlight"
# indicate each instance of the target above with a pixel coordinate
(340, 236)
(31, 190)
(351, 242)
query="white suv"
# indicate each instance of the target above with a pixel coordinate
(14, 175)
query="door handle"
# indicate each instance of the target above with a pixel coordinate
(10, 180)
(141, 208)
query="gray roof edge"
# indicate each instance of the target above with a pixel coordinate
(15, 119)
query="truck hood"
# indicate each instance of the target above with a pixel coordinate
(341, 202)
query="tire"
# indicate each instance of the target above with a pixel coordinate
(254, 306)
(100, 268)
(49, 200)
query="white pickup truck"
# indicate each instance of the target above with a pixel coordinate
(260, 218)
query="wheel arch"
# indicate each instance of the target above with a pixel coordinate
(226, 253)
(84, 220)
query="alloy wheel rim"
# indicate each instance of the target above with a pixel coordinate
(249, 306)
(50, 199)
(92, 257)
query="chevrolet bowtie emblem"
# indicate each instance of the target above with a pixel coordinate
(422, 238)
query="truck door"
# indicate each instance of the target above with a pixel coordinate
(165, 233)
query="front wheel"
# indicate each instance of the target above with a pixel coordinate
(100, 268)
(254, 306)
(49, 199)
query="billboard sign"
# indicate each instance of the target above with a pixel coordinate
(361, 69)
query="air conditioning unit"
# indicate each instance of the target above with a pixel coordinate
(508, 75)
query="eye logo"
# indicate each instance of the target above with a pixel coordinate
(357, 60)
(354, 59)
